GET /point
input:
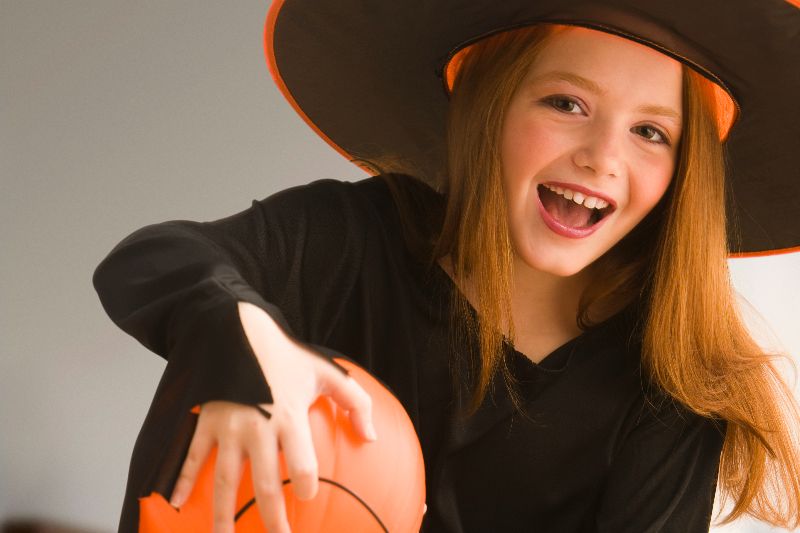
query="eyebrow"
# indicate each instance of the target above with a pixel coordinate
(660, 110)
(569, 77)
(593, 87)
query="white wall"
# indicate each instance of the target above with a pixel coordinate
(114, 115)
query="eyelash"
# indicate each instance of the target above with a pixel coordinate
(552, 100)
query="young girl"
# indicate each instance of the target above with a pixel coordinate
(538, 271)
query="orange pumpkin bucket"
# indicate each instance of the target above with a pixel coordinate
(363, 486)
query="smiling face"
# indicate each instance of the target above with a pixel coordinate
(588, 147)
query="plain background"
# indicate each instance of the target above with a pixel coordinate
(114, 115)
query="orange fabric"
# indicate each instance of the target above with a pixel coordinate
(795, 249)
(795, 3)
(453, 66)
(725, 110)
(269, 32)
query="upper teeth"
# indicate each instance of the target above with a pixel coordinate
(579, 198)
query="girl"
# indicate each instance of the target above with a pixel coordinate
(537, 270)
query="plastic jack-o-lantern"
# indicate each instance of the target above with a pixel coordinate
(363, 486)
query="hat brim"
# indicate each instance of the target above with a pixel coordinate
(371, 82)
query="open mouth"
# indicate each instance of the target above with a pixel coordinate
(573, 211)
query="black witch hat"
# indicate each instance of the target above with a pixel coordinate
(371, 79)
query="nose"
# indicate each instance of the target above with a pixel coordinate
(600, 152)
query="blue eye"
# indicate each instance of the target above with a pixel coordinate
(564, 104)
(652, 135)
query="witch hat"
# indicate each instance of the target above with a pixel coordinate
(371, 80)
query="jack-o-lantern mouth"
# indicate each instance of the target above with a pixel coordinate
(573, 209)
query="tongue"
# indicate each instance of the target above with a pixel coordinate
(565, 211)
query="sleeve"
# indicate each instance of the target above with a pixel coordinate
(175, 287)
(664, 476)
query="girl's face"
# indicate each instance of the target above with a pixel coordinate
(588, 147)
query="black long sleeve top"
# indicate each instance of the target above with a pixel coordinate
(597, 452)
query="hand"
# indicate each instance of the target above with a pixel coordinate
(296, 377)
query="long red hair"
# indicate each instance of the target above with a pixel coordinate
(695, 345)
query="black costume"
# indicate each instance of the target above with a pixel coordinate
(327, 260)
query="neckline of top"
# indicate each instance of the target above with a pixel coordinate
(555, 362)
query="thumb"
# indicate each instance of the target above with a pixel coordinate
(348, 394)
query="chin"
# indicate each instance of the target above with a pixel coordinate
(562, 266)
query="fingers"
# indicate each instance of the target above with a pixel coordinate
(301, 459)
(227, 473)
(268, 487)
(346, 392)
(199, 449)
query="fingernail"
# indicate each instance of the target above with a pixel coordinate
(176, 501)
(371, 435)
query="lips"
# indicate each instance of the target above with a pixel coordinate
(573, 211)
